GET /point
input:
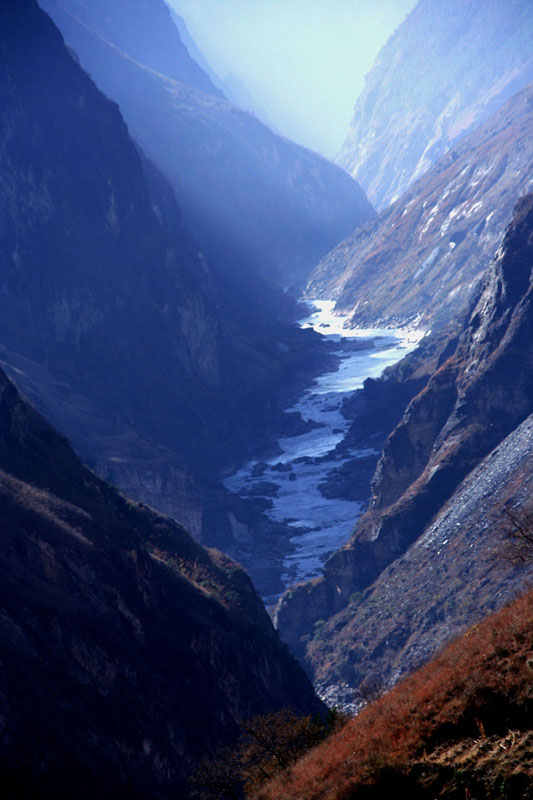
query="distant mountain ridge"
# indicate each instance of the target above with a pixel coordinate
(231, 86)
(255, 201)
(134, 25)
(447, 68)
(419, 259)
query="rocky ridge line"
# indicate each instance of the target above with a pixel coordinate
(446, 69)
(475, 402)
(419, 259)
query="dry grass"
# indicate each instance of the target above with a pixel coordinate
(479, 687)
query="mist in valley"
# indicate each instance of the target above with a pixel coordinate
(266, 419)
(303, 62)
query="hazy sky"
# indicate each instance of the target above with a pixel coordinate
(303, 61)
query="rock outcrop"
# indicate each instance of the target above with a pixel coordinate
(254, 200)
(418, 260)
(127, 651)
(447, 68)
(429, 543)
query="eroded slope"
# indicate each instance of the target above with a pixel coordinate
(420, 258)
(460, 727)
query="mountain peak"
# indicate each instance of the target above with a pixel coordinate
(449, 66)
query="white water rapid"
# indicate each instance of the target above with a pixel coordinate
(321, 525)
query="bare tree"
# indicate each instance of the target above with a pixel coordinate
(519, 544)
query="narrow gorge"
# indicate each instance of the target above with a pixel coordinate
(300, 485)
(265, 449)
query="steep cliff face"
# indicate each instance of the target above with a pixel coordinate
(447, 68)
(253, 199)
(419, 258)
(127, 651)
(428, 545)
(110, 318)
(93, 285)
(455, 573)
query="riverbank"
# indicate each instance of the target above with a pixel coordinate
(293, 487)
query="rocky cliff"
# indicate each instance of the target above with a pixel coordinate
(254, 200)
(127, 651)
(424, 559)
(111, 320)
(446, 68)
(419, 259)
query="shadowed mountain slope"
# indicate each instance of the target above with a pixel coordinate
(447, 68)
(110, 318)
(420, 258)
(147, 33)
(254, 200)
(127, 651)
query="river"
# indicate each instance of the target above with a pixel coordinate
(291, 479)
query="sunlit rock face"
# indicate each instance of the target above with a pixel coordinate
(127, 651)
(256, 201)
(420, 258)
(424, 560)
(448, 67)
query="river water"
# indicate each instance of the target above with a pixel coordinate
(321, 525)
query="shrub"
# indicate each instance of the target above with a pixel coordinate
(268, 744)
(479, 686)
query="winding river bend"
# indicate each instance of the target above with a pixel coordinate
(291, 480)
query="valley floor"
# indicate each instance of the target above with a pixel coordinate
(293, 481)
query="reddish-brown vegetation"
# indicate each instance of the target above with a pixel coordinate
(268, 744)
(477, 693)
